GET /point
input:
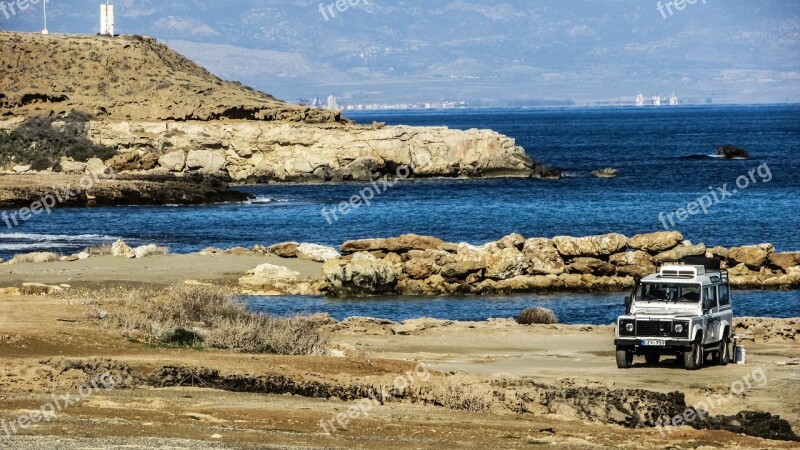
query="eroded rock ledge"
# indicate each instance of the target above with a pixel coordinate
(18, 191)
(248, 151)
(420, 265)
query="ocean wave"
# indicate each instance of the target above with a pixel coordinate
(264, 199)
(55, 237)
(701, 156)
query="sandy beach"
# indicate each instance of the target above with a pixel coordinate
(50, 345)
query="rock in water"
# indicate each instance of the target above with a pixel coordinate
(608, 172)
(732, 152)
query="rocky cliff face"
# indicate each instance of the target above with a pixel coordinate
(262, 151)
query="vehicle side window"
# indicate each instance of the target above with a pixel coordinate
(724, 295)
(710, 298)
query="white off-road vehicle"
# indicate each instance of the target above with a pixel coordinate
(683, 310)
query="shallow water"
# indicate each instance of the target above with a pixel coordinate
(593, 309)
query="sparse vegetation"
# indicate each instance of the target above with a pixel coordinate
(530, 316)
(42, 141)
(207, 316)
(35, 258)
(99, 250)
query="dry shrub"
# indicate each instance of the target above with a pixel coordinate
(35, 258)
(99, 250)
(530, 316)
(208, 316)
(150, 250)
(459, 396)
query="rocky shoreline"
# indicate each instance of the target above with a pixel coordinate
(427, 266)
(268, 152)
(24, 190)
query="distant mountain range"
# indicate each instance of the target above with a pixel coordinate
(418, 50)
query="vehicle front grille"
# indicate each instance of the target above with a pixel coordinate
(653, 328)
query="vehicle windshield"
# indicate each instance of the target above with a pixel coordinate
(668, 292)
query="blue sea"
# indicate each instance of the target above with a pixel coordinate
(665, 157)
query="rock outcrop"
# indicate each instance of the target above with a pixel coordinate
(165, 114)
(427, 266)
(253, 151)
(26, 189)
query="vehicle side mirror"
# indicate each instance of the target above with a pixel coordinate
(628, 303)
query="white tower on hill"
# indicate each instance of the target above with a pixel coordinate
(44, 6)
(107, 19)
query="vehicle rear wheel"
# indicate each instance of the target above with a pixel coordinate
(693, 359)
(624, 358)
(652, 358)
(724, 351)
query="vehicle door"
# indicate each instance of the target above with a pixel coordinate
(711, 312)
(725, 310)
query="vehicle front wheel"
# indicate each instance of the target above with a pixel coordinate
(693, 359)
(724, 351)
(652, 358)
(624, 358)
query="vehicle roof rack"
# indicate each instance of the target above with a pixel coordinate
(714, 264)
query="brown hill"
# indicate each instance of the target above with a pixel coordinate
(126, 77)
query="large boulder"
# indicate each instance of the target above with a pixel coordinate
(784, 261)
(656, 242)
(680, 252)
(635, 263)
(206, 161)
(433, 285)
(543, 257)
(173, 161)
(608, 172)
(461, 269)
(601, 245)
(400, 244)
(318, 253)
(359, 277)
(128, 161)
(284, 249)
(120, 248)
(420, 268)
(361, 169)
(270, 277)
(753, 256)
(506, 263)
(592, 266)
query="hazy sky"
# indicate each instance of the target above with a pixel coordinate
(743, 51)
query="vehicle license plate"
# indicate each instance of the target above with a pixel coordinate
(654, 342)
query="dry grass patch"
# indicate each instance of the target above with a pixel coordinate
(530, 316)
(99, 250)
(35, 258)
(209, 317)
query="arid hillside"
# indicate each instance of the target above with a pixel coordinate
(126, 77)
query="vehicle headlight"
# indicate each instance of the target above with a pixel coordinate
(679, 328)
(629, 327)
